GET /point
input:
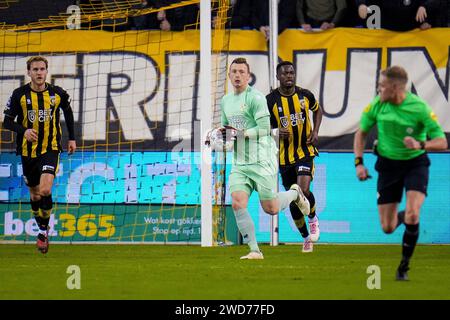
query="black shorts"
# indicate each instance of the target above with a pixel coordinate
(34, 167)
(289, 173)
(394, 175)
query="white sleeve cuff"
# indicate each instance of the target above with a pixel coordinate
(275, 132)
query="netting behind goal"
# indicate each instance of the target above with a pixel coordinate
(136, 174)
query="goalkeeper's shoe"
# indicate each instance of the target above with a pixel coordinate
(301, 201)
(253, 255)
(307, 246)
(42, 242)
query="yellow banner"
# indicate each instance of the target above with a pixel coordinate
(156, 43)
(159, 72)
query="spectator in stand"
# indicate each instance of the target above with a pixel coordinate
(147, 21)
(113, 24)
(180, 18)
(448, 13)
(402, 15)
(444, 14)
(238, 15)
(323, 14)
(352, 18)
(286, 16)
(440, 14)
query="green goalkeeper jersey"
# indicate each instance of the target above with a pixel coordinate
(242, 111)
(413, 117)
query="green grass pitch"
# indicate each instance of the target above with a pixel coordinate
(192, 272)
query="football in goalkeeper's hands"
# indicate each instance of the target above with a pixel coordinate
(221, 139)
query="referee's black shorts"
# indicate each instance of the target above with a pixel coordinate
(34, 167)
(396, 175)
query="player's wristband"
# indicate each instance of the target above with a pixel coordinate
(422, 145)
(358, 161)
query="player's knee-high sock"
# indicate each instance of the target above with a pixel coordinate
(246, 228)
(409, 241)
(312, 205)
(35, 209)
(286, 197)
(45, 210)
(299, 220)
(400, 218)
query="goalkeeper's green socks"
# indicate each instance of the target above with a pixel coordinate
(285, 198)
(247, 228)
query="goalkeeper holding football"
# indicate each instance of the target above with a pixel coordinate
(255, 155)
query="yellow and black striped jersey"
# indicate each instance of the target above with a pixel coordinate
(292, 112)
(39, 111)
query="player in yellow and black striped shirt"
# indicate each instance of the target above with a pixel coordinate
(36, 106)
(289, 107)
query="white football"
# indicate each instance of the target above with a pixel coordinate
(217, 142)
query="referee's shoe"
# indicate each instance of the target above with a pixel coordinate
(402, 272)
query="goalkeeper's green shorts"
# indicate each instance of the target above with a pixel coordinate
(261, 177)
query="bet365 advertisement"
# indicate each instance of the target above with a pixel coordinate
(155, 197)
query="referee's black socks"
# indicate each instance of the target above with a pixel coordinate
(409, 241)
(400, 217)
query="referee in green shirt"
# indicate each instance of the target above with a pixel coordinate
(404, 122)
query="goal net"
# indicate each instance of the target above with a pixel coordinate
(132, 72)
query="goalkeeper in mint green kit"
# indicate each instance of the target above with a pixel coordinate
(404, 122)
(255, 165)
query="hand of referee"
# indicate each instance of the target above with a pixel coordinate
(71, 147)
(362, 173)
(411, 143)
